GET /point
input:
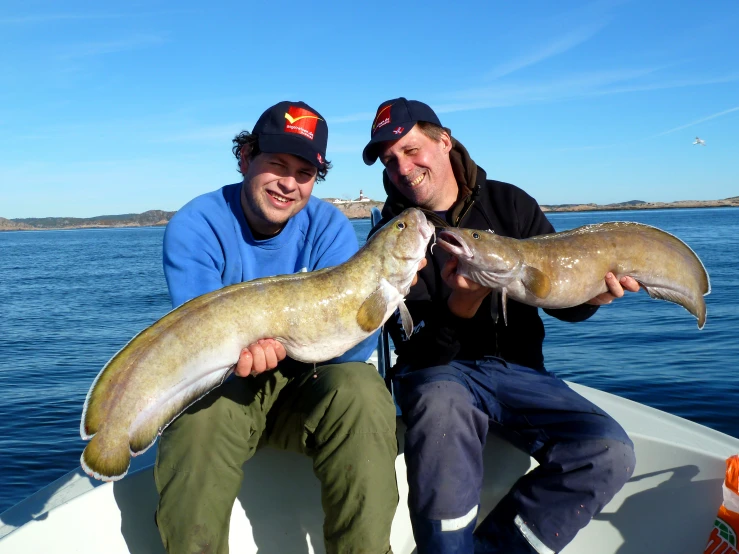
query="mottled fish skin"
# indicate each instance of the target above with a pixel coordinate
(565, 269)
(316, 315)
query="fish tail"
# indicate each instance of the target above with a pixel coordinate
(106, 457)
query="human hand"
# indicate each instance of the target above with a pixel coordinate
(421, 265)
(261, 356)
(615, 289)
(466, 295)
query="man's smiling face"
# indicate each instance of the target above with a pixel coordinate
(276, 187)
(420, 169)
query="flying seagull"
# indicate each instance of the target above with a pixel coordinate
(700, 141)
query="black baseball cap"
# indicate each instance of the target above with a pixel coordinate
(293, 128)
(393, 120)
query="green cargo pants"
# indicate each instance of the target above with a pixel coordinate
(343, 417)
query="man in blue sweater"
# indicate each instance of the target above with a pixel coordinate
(342, 416)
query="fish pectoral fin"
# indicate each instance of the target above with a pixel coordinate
(406, 319)
(536, 282)
(150, 423)
(696, 306)
(372, 312)
(504, 303)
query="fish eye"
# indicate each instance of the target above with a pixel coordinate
(400, 225)
(475, 235)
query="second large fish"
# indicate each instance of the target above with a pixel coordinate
(316, 316)
(565, 269)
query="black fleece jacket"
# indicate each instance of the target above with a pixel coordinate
(439, 335)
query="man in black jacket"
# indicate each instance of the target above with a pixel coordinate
(464, 371)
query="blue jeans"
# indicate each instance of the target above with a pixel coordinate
(584, 456)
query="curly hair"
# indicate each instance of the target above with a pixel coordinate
(250, 142)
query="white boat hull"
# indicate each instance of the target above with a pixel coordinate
(667, 507)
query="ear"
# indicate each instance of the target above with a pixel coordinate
(446, 142)
(244, 160)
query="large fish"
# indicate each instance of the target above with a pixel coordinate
(316, 316)
(565, 269)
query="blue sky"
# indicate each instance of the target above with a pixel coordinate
(122, 107)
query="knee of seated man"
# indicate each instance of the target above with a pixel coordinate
(359, 393)
(207, 436)
(617, 463)
(440, 404)
(609, 463)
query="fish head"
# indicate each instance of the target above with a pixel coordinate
(483, 256)
(400, 245)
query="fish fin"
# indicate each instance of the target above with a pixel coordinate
(406, 319)
(494, 309)
(149, 425)
(696, 306)
(504, 302)
(372, 312)
(106, 457)
(536, 282)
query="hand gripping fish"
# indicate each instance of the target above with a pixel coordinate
(317, 316)
(565, 269)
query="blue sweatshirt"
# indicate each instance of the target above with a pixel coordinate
(209, 245)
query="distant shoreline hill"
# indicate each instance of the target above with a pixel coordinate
(146, 219)
(352, 210)
(642, 205)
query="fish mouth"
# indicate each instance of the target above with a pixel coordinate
(454, 244)
(427, 230)
(425, 227)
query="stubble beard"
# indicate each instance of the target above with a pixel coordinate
(263, 213)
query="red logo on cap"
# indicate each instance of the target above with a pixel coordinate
(398, 130)
(319, 157)
(382, 118)
(301, 121)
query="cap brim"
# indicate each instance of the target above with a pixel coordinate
(284, 144)
(369, 154)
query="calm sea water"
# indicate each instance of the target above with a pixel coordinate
(69, 300)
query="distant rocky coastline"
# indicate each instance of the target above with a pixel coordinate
(352, 210)
(146, 219)
(641, 205)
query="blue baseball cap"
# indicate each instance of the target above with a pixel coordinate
(293, 128)
(393, 120)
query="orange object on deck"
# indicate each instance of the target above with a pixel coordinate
(723, 537)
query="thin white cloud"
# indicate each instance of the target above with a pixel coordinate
(31, 19)
(555, 47)
(642, 139)
(585, 148)
(351, 118)
(678, 83)
(576, 26)
(596, 83)
(514, 94)
(52, 17)
(697, 121)
(89, 49)
(208, 133)
(346, 145)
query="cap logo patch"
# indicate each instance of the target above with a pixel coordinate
(398, 130)
(319, 157)
(301, 121)
(382, 118)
